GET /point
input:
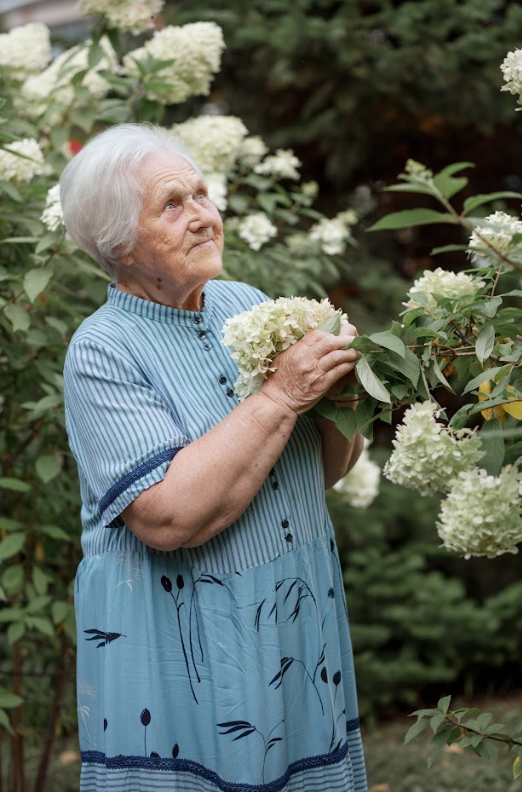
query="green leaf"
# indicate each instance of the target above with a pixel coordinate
(517, 768)
(443, 704)
(370, 382)
(18, 317)
(485, 342)
(440, 376)
(416, 729)
(447, 249)
(55, 532)
(9, 700)
(409, 365)
(478, 200)
(59, 611)
(40, 581)
(421, 189)
(42, 625)
(13, 579)
(14, 632)
(455, 167)
(389, 341)
(483, 377)
(14, 484)
(346, 422)
(11, 545)
(5, 722)
(411, 217)
(437, 720)
(331, 325)
(449, 186)
(35, 282)
(95, 54)
(48, 467)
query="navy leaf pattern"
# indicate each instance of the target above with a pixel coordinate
(246, 728)
(105, 637)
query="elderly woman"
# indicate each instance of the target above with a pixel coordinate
(213, 643)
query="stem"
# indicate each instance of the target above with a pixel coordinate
(506, 740)
(499, 269)
(17, 743)
(63, 678)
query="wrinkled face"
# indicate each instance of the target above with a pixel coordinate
(180, 233)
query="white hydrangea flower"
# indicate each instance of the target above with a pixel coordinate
(511, 68)
(217, 190)
(426, 454)
(214, 141)
(25, 50)
(52, 215)
(132, 15)
(499, 234)
(251, 151)
(255, 337)
(360, 486)
(281, 165)
(298, 244)
(331, 235)
(482, 514)
(51, 91)
(197, 49)
(418, 170)
(444, 284)
(256, 229)
(19, 169)
(310, 189)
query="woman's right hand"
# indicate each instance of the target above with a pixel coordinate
(308, 369)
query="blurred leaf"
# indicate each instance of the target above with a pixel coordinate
(11, 545)
(18, 317)
(485, 342)
(411, 217)
(48, 467)
(35, 282)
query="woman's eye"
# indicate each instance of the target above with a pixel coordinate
(201, 194)
(170, 205)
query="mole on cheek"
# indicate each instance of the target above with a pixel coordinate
(158, 283)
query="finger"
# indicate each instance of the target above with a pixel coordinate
(338, 357)
(331, 377)
(348, 329)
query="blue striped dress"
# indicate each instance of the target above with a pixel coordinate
(221, 667)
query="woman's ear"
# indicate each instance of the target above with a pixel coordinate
(126, 259)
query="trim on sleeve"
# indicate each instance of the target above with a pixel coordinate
(130, 478)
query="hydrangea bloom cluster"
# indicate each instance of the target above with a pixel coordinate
(196, 48)
(444, 284)
(217, 190)
(52, 215)
(511, 68)
(426, 454)
(482, 514)
(19, 169)
(333, 234)
(255, 337)
(25, 50)
(256, 229)
(55, 82)
(360, 486)
(499, 234)
(251, 151)
(213, 140)
(132, 15)
(281, 165)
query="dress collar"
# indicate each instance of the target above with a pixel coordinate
(158, 312)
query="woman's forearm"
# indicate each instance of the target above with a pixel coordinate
(339, 454)
(210, 482)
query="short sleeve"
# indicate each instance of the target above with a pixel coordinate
(121, 432)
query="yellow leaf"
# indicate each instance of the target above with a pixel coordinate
(489, 412)
(517, 767)
(514, 409)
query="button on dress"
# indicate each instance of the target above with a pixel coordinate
(226, 666)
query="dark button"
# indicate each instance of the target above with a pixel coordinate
(230, 392)
(275, 485)
(289, 538)
(222, 380)
(207, 347)
(197, 319)
(202, 334)
(285, 523)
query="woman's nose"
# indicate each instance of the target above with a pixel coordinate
(202, 216)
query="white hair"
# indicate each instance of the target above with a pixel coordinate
(101, 193)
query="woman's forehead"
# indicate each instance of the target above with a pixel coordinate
(166, 169)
